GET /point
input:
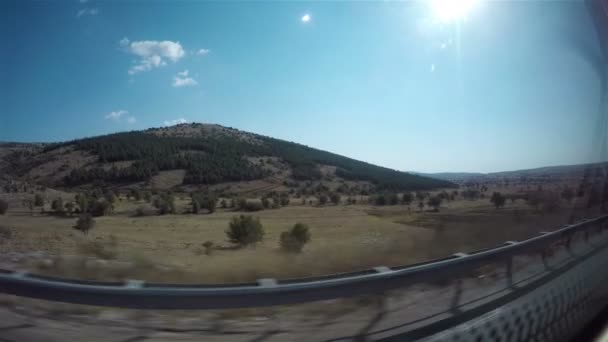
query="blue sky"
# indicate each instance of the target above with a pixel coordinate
(507, 87)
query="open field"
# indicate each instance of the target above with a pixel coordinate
(344, 238)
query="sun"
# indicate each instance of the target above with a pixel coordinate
(305, 18)
(452, 10)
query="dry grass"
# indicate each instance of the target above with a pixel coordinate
(344, 238)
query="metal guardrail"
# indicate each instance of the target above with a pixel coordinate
(269, 292)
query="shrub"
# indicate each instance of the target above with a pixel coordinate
(195, 206)
(334, 198)
(568, 194)
(284, 200)
(100, 207)
(392, 199)
(38, 200)
(3, 207)
(253, 206)
(407, 198)
(165, 204)
(322, 199)
(69, 207)
(85, 223)
(211, 204)
(245, 230)
(97, 249)
(434, 202)
(57, 206)
(241, 203)
(294, 239)
(379, 200)
(140, 211)
(265, 202)
(5, 233)
(498, 199)
(208, 245)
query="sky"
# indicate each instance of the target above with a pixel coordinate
(428, 86)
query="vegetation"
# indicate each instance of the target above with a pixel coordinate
(323, 199)
(140, 211)
(335, 198)
(294, 239)
(57, 206)
(498, 199)
(208, 245)
(3, 207)
(568, 194)
(165, 204)
(407, 198)
(38, 200)
(434, 202)
(245, 230)
(215, 159)
(85, 223)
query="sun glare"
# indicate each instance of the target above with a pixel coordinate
(452, 10)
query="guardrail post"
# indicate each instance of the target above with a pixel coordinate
(457, 290)
(510, 281)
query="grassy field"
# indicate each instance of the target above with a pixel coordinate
(344, 238)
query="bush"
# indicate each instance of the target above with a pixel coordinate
(85, 223)
(140, 212)
(195, 206)
(253, 206)
(434, 202)
(568, 194)
(5, 233)
(100, 207)
(38, 200)
(294, 240)
(208, 245)
(3, 207)
(97, 249)
(69, 207)
(265, 202)
(407, 198)
(334, 198)
(498, 199)
(322, 199)
(57, 206)
(165, 204)
(284, 200)
(245, 230)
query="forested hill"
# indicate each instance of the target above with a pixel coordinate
(212, 154)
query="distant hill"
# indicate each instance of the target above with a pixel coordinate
(555, 171)
(452, 176)
(559, 171)
(193, 155)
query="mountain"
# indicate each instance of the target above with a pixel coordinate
(559, 171)
(452, 176)
(193, 155)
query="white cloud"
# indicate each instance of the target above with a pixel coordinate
(116, 114)
(87, 11)
(202, 52)
(182, 80)
(175, 122)
(152, 53)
